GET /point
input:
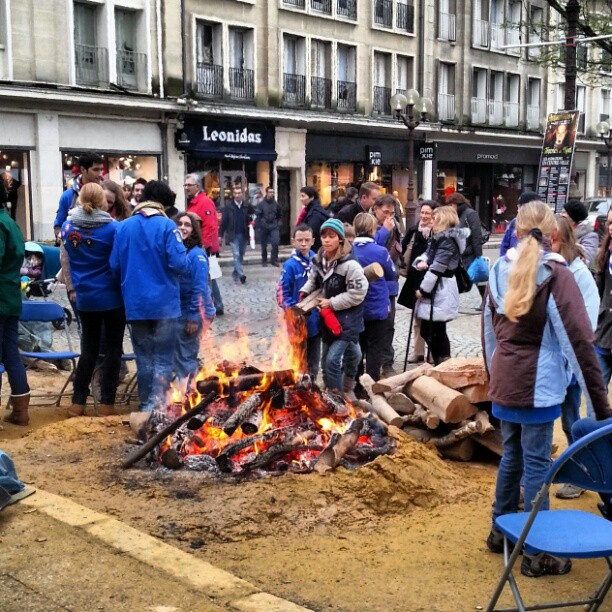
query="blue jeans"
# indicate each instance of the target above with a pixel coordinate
(216, 295)
(605, 363)
(238, 245)
(186, 353)
(10, 358)
(342, 356)
(154, 342)
(527, 448)
(570, 409)
(313, 355)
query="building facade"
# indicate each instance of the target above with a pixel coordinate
(281, 93)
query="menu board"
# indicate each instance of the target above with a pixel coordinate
(556, 161)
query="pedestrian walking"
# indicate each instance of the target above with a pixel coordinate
(197, 309)
(148, 256)
(510, 240)
(576, 212)
(336, 271)
(414, 245)
(237, 216)
(534, 325)
(268, 215)
(200, 204)
(313, 214)
(88, 237)
(12, 251)
(90, 171)
(293, 277)
(377, 303)
(468, 218)
(438, 294)
(368, 193)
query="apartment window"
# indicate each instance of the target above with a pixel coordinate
(560, 97)
(4, 30)
(209, 63)
(536, 28)
(241, 73)
(383, 13)
(322, 6)
(498, 30)
(606, 61)
(347, 9)
(581, 106)
(405, 15)
(513, 27)
(496, 99)
(405, 72)
(533, 104)
(91, 60)
(582, 57)
(294, 76)
(382, 84)
(605, 108)
(480, 23)
(347, 86)
(320, 80)
(447, 12)
(300, 4)
(479, 96)
(511, 104)
(446, 92)
(131, 65)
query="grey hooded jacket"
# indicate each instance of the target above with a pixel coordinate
(588, 240)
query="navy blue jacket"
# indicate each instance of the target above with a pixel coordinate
(377, 303)
(510, 239)
(195, 292)
(88, 250)
(293, 277)
(66, 202)
(148, 256)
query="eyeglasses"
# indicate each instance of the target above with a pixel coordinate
(189, 185)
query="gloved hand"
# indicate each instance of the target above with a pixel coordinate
(331, 321)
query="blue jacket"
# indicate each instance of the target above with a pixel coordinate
(293, 277)
(510, 239)
(376, 304)
(195, 292)
(381, 238)
(88, 250)
(66, 202)
(148, 256)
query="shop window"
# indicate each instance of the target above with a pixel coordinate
(507, 186)
(15, 186)
(331, 179)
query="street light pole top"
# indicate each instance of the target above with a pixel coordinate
(424, 106)
(413, 97)
(603, 129)
(399, 102)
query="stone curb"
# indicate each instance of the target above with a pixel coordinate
(217, 584)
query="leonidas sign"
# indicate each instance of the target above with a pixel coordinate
(215, 139)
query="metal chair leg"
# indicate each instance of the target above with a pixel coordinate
(603, 589)
(68, 381)
(512, 581)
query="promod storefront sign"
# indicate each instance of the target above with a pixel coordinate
(233, 140)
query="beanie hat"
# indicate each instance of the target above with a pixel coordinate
(526, 197)
(334, 224)
(576, 211)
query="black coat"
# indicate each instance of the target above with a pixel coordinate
(349, 212)
(316, 215)
(268, 214)
(228, 220)
(469, 218)
(603, 333)
(407, 297)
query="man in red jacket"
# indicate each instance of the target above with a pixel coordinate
(200, 204)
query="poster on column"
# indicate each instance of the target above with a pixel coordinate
(554, 175)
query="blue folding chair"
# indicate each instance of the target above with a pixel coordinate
(587, 464)
(48, 312)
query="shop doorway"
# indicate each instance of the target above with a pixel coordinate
(283, 192)
(228, 181)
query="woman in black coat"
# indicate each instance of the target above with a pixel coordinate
(415, 240)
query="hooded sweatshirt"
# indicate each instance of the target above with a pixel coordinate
(588, 240)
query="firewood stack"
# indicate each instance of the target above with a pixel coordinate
(446, 406)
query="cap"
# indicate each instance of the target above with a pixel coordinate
(576, 211)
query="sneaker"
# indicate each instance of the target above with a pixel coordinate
(220, 312)
(544, 564)
(243, 279)
(495, 542)
(569, 491)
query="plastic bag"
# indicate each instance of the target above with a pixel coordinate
(252, 236)
(479, 270)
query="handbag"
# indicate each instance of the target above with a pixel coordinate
(464, 282)
(478, 270)
(407, 257)
(485, 234)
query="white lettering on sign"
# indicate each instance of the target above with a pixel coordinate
(375, 158)
(492, 156)
(242, 136)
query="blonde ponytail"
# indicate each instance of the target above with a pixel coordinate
(522, 281)
(91, 197)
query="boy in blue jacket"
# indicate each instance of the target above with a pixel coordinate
(293, 277)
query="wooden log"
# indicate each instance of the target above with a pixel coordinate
(251, 424)
(465, 431)
(491, 440)
(460, 372)
(448, 404)
(400, 402)
(421, 416)
(275, 452)
(380, 407)
(243, 412)
(420, 435)
(481, 418)
(172, 459)
(401, 380)
(476, 393)
(460, 451)
(247, 382)
(339, 446)
(224, 458)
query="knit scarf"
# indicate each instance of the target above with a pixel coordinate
(96, 218)
(149, 209)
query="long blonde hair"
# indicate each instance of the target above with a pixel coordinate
(522, 284)
(92, 197)
(445, 217)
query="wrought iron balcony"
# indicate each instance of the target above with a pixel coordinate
(242, 83)
(382, 100)
(321, 6)
(131, 69)
(301, 4)
(447, 27)
(347, 9)
(404, 19)
(383, 13)
(347, 96)
(320, 92)
(209, 80)
(91, 64)
(294, 89)
(446, 107)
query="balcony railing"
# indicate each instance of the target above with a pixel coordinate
(209, 80)
(91, 64)
(404, 18)
(294, 89)
(498, 36)
(513, 37)
(382, 100)
(446, 27)
(511, 114)
(446, 107)
(322, 6)
(242, 83)
(383, 13)
(131, 69)
(301, 4)
(534, 52)
(320, 92)
(496, 112)
(533, 117)
(480, 33)
(347, 96)
(347, 9)
(479, 111)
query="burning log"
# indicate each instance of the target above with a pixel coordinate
(275, 452)
(252, 423)
(365, 452)
(243, 412)
(390, 384)
(380, 407)
(247, 382)
(172, 459)
(338, 447)
(337, 405)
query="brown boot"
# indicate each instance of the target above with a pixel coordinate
(76, 410)
(106, 410)
(19, 414)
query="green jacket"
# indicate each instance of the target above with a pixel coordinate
(12, 250)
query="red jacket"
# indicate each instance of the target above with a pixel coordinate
(204, 207)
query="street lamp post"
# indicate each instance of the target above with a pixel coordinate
(604, 130)
(404, 107)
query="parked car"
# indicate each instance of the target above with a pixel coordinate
(597, 207)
